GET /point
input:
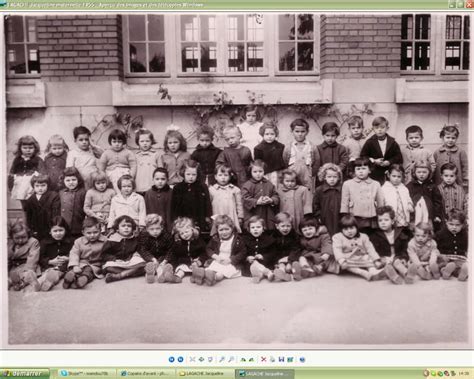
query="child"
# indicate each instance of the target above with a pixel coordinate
(54, 254)
(23, 256)
(390, 242)
(397, 196)
(85, 257)
(354, 252)
(356, 139)
(127, 202)
(226, 199)
(147, 160)
(317, 248)
(381, 149)
(300, 155)
(294, 199)
(119, 255)
(330, 151)
(452, 193)
(250, 128)
(26, 164)
(84, 158)
(327, 197)
(154, 245)
(72, 200)
(158, 197)
(186, 255)
(41, 207)
(98, 199)
(425, 195)
(423, 252)
(55, 161)
(415, 152)
(174, 156)
(260, 251)
(271, 152)
(259, 195)
(452, 243)
(118, 160)
(191, 198)
(206, 154)
(236, 156)
(361, 195)
(227, 251)
(449, 152)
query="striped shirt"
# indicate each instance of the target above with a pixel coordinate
(454, 196)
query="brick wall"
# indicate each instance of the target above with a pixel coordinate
(80, 48)
(356, 46)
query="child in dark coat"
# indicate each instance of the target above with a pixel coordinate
(158, 197)
(55, 161)
(72, 200)
(206, 154)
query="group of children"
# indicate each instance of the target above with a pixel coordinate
(281, 212)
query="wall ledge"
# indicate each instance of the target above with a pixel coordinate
(432, 91)
(26, 95)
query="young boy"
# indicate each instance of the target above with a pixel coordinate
(381, 149)
(84, 158)
(41, 207)
(391, 243)
(158, 197)
(356, 140)
(415, 152)
(206, 154)
(301, 155)
(330, 151)
(85, 256)
(453, 194)
(452, 243)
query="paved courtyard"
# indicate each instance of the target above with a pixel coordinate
(322, 312)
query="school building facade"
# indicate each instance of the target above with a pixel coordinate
(161, 69)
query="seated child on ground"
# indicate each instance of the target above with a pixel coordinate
(423, 252)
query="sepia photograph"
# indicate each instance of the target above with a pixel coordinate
(236, 180)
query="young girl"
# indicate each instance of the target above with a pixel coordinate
(127, 202)
(119, 254)
(174, 156)
(23, 256)
(54, 254)
(191, 198)
(361, 196)
(327, 197)
(187, 253)
(226, 199)
(397, 196)
(98, 199)
(118, 160)
(271, 152)
(227, 251)
(450, 152)
(26, 164)
(158, 197)
(72, 200)
(354, 252)
(423, 253)
(154, 245)
(425, 195)
(287, 246)
(55, 160)
(236, 156)
(206, 154)
(147, 160)
(250, 127)
(294, 199)
(261, 253)
(259, 195)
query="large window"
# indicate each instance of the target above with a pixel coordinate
(416, 42)
(456, 46)
(22, 55)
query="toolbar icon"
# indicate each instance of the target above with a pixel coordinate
(171, 359)
(123, 373)
(180, 359)
(64, 373)
(460, 3)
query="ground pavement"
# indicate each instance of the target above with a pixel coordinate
(319, 312)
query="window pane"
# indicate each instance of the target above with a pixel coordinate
(305, 56)
(33, 59)
(305, 26)
(190, 57)
(407, 56)
(453, 56)
(453, 27)
(15, 29)
(255, 28)
(157, 57)
(189, 28)
(136, 26)
(137, 57)
(286, 25)
(407, 26)
(287, 56)
(466, 27)
(465, 56)
(156, 28)
(31, 29)
(16, 59)
(208, 28)
(236, 53)
(422, 26)
(255, 57)
(235, 29)
(422, 56)
(208, 57)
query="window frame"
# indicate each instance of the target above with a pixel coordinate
(443, 45)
